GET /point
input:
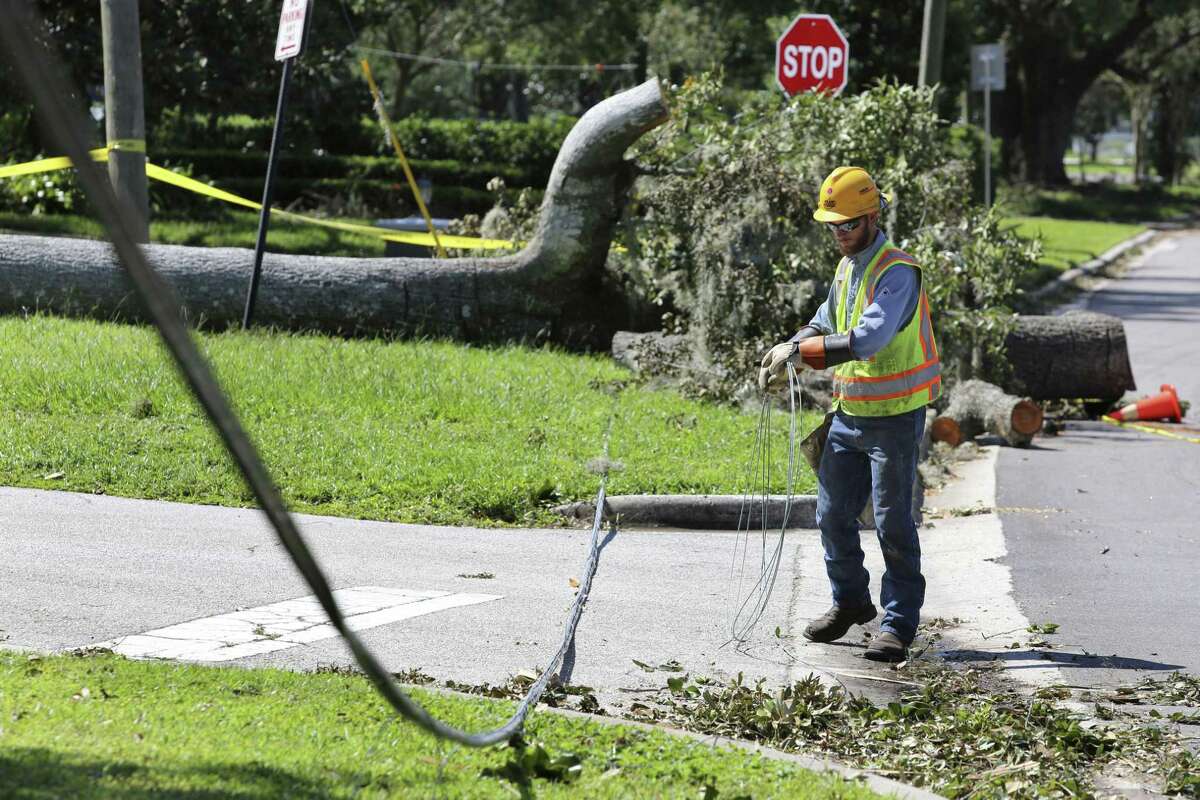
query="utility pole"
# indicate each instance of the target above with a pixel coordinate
(124, 115)
(933, 33)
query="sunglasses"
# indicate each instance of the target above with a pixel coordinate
(845, 227)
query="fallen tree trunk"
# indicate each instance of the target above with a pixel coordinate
(1079, 354)
(553, 289)
(977, 407)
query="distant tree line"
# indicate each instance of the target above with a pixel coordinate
(461, 58)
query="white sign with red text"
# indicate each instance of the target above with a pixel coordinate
(292, 29)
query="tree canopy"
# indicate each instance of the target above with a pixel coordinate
(516, 58)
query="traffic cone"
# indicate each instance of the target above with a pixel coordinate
(1164, 405)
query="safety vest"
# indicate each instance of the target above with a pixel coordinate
(906, 374)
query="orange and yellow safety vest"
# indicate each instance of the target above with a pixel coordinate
(907, 373)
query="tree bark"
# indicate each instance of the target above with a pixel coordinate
(977, 407)
(553, 289)
(1075, 355)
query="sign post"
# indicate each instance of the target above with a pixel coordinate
(812, 55)
(987, 73)
(289, 43)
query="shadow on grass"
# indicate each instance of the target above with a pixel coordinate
(31, 772)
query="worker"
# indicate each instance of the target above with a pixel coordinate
(875, 332)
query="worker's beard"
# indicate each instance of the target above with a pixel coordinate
(863, 235)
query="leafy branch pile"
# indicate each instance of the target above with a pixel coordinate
(720, 233)
(952, 736)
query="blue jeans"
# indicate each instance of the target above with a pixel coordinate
(876, 458)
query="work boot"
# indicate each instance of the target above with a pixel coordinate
(833, 624)
(888, 647)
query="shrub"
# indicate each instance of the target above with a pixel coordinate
(529, 145)
(720, 232)
(41, 193)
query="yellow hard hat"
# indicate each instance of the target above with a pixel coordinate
(847, 193)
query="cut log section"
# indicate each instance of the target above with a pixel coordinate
(553, 289)
(977, 407)
(1079, 354)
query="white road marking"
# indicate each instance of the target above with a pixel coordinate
(286, 624)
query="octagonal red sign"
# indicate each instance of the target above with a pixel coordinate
(812, 55)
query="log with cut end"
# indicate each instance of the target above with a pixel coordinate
(977, 407)
(553, 289)
(1079, 354)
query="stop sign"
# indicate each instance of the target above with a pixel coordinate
(811, 55)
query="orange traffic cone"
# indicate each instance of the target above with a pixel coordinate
(1164, 405)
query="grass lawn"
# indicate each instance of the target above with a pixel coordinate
(102, 726)
(1068, 242)
(1104, 202)
(410, 431)
(230, 229)
(1098, 168)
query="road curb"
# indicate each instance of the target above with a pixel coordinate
(1068, 278)
(704, 511)
(876, 783)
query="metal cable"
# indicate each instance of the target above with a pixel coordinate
(42, 71)
(753, 603)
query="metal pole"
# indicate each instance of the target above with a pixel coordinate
(987, 146)
(124, 114)
(987, 132)
(264, 216)
(933, 31)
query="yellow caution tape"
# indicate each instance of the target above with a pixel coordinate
(1148, 429)
(47, 164)
(192, 185)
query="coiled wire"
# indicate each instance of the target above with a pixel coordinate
(750, 604)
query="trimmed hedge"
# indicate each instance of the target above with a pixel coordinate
(383, 198)
(220, 165)
(459, 156)
(532, 145)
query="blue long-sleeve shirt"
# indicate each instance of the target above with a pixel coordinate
(896, 297)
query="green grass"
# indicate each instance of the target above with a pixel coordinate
(429, 432)
(101, 726)
(230, 229)
(1103, 202)
(1068, 243)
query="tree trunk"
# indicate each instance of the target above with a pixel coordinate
(1037, 112)
(1054, 60)
(977, 407)
(1077, 355)
(1140, 102)
(553, 289)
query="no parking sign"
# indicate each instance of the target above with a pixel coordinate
(293, 28)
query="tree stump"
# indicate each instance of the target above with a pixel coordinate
(977, 407)
(1080, 354)
(553, 289)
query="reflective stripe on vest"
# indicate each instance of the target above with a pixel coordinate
(913, 376)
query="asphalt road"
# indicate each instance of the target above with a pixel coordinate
(1103, 534)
